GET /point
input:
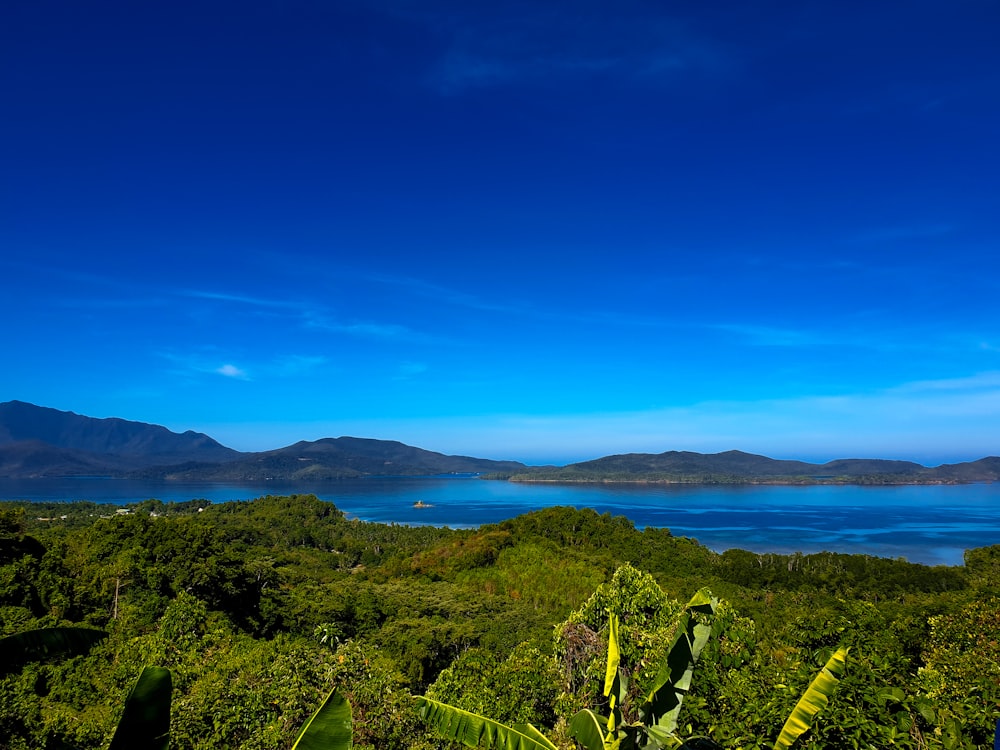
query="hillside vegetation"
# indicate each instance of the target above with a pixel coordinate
(260, 608)
(737, 467)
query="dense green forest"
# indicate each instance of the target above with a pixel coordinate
(259, 608)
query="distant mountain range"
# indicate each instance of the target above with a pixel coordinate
(737, 467)
(37, 441)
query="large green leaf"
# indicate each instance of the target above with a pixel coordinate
(531, 731)
(614, 654)
(478, 731)
(661, 737)
(585, 728)
(36, 645)
(662, 704)
(145, 722)
(329, 728)
(815, 698)
(615, 682)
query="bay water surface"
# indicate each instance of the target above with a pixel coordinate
(932, 524)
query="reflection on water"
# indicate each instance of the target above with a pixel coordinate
(930, 524)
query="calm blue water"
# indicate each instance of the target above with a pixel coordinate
(928, 524)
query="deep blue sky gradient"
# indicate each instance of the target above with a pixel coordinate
(541, 231)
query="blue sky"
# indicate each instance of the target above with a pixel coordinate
(529, 230)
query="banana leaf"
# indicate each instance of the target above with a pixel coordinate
(815, 698)
(478, 731)
(145, 722)
(585, 728)
(614, 655)
(45, 643)
(662, 704)
(615, 681)
(329, 728)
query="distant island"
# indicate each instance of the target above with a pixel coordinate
(737, 467)
(39, 442)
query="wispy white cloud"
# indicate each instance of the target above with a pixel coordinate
(232, 371)
(536, 44)
(977, 383)
(367, 329)
(242, 299)
(861, 331)
(316, 317)
(207, 361)
(213, 362)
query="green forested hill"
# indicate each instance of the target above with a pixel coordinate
(37, 441)
(739, 467)
(336, 458)
(95, 445)
(259, 608)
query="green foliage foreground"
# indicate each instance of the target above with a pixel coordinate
(656, 723)
(258, 609)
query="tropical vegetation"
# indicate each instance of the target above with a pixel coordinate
(258, 610)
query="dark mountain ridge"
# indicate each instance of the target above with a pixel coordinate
(113, 441)
(37, 441)
(744, 464)
(342, 458)
(739, 467)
